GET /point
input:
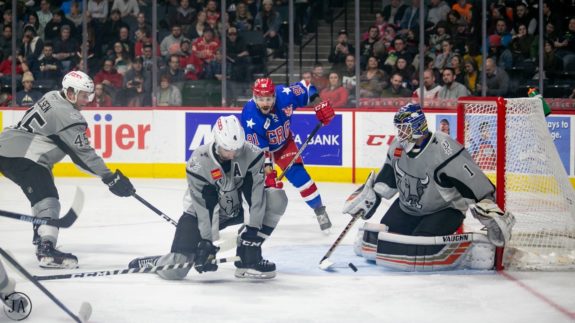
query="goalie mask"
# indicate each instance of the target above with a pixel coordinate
(264, 93)
(411, 125)
(229, 137)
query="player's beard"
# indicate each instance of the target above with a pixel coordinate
(266, 109)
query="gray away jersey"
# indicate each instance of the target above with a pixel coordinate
(443, 175)
(51, 129)
(215, 195)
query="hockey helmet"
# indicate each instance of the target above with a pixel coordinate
(228, 136)
(264, 94)
(78, 81)
(411, 125)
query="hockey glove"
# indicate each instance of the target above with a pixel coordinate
(498, 223)
(364, 201)
(324, 112)
(119, 184)
(271, 180)
(205, 254)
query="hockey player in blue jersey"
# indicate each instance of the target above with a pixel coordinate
(266, 119)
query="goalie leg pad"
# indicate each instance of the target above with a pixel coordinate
(46, 208)
(364, 200)
(438, 253)
(366, 242)
(171, 259)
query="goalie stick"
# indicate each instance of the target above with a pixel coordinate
(325, 263)
(143, 270)
(85, 309)
(153, 208)
(64, 222)
(300, 151)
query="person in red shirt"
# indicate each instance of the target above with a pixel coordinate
(335, 93)
(205, 49)
(109, 77)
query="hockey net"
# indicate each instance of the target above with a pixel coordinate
(510, 141)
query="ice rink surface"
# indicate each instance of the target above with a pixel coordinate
(111, 231)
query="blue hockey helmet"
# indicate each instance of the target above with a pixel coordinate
(411, 125)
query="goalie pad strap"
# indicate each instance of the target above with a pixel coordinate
(450, 252)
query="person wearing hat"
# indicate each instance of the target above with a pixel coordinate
(340, 51)
(27, 96)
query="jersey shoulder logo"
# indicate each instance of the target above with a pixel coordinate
(446, 147)
(216, 174)
(194, 165)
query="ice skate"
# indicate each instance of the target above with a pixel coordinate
(323, 219)
(50, 257)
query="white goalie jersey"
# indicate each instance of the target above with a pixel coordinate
(443, 175)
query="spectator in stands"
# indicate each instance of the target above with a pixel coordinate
(171, 43)
(110, 31)
(47, 69)
(430, 88)
(389, 35)
(173, 71)
(124, 38)
(268, 20)
(437, 38)
(6, 69)
(453, 20)
(551, 63)
(135, 95)
(44, 17)
(522, 16)
(242, 19)
(184, 16)
(407, 71)
(443, 60)
(212, 14)
(451, 89)
(142, 24)
(471, 75)
(367, 47)
(52, 29)
(205, 49)
(339, 52)
(318, 77)
(497, 79)
(200, 25)
(501, 54)
(238, 56)
(410, 19)
(464, 8)
(129, 9)
(457, 65)
(137, 70)
(306, 77)
(75, 16)
(32, 21)
(438, 10)
(521, 45)
(497, 13)
(6, 41)
(121, 58)
(347, 73)
(168, 94)
(190, 63)
(98, 9)
(461, 37)
(101, 98)
(549, 14)
(373, 80)
(565, 45)
(27, 96)
(109, 77)
(147, 56)
(393, 12)
(396, 88)
(32, 44)
(473, 52)
(65, 49)
(335, 93)
(401, 49)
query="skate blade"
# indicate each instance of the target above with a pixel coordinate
(244, 273)
(48, 262)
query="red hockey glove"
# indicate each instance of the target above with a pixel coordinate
(271, 180)
(324, 112)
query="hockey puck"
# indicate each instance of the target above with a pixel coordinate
(352, 266)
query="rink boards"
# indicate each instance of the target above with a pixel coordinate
(156, 143)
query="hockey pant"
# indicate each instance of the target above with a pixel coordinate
(37, 184)
(297, 175)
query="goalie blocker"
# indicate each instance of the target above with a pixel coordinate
(418, 253)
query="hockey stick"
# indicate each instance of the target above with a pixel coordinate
(325, 263)
(153, 208)
(300, 151)
(85, 309)
(143, 270)
(64, 222)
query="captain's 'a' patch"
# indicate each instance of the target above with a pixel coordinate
(237, 171)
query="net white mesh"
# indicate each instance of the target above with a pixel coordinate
(537, 188)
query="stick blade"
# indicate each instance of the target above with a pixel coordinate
(325, 264)
(72, 215)
(85, 311)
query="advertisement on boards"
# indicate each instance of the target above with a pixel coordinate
(324, 149)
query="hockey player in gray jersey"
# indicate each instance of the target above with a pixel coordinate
(437, 181)
(51, 129)
(220, 175)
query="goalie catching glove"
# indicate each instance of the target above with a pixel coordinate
(119, 184)
(364, 201)
(497, 222)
